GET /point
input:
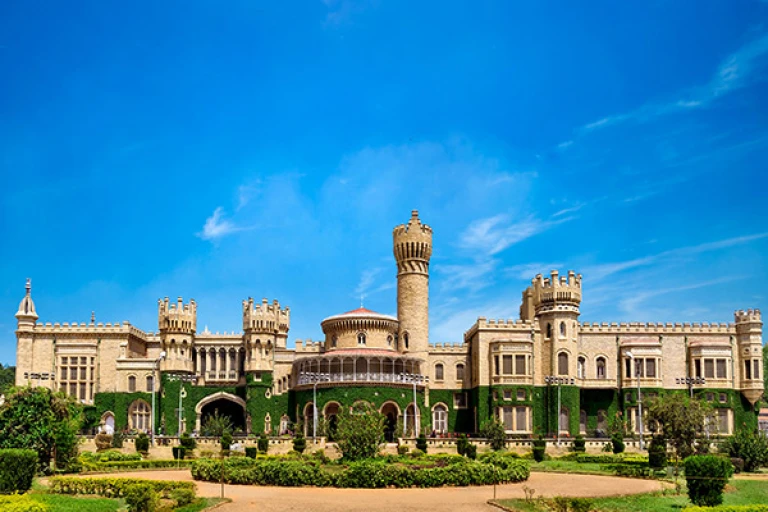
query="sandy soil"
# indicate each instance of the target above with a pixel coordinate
(464, 499)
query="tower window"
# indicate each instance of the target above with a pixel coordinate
(562, 328)
(459, 372)
(389, 341)
(562, 363)
(406, 339)
(361, 338)
(580, 363)
(131, 384)
(549, 330)
(601, 368)
(334, 341)
(438, 372)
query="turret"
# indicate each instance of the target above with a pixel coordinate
(412, 246)
(178, 324)
(265, 328)
(26, 316)
(25, 335)
(749, 335)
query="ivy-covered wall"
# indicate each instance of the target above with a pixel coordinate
(169, 402)
(594, 400)
(118, 404)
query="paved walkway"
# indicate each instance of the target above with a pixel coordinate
(464, 499)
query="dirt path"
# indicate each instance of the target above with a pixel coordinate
(464, 499)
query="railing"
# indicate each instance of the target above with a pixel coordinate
(376, 377)
(221, 376)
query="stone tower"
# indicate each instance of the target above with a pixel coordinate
(266, 327)
(177, 324)
(413, 248)
(25, 325)
(749, 329)
(555, 302)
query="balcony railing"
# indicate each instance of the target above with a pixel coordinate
(368, 377)
(221, 376)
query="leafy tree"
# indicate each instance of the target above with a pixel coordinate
(41, 420)
(7, 378)
(493, 431)
(360, 431)
(749, 445)
(215, 425)
(680, 419)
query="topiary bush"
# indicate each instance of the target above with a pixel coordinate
(141, 498)
(579, 444)
(461, 444)
(360, 431)
(188, 442)
(421, 443)
(226, 441)
(142, 443)
(299, 442)
(471, 451)
(263, 443)
(706, 476)
(17, 469)
(657, 453)
(539, 449)
(178, 452)
(117, 439)
(617, 443)
(251, 452)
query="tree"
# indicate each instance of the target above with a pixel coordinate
(750, 445)
(216, 425)
(7, 378)
(360, 431)
(41, 420)
(493, 431)
(680, 418)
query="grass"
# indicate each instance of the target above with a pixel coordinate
(570, 466)
(738, 492)
(62, 503)
(200, 504)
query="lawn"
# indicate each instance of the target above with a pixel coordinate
(62, 503)
(738, 492)
(570, 466)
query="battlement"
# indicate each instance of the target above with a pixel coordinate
(747, 317)
(309, 346)
(93, 329)
(412, 245)
(459, 348)
(414, 228)
(547, 292)
(178, 317)
(266, 317)
(657, 328)
(500, 324)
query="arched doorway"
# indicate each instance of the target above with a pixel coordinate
(391, 412)
(222, 405)
(331, 414)
(412, 420)
(107, 423)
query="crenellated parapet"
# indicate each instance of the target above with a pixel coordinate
(177, 318)
(457, 348)
(266, 318)
(93, 329)
(412, 246)
(309, 346)
(555, 293)
(657, 328)
(505, 325)
(749, 321)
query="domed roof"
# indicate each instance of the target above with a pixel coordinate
(360, 313)
(27, 306)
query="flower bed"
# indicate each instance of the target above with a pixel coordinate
(373, 473)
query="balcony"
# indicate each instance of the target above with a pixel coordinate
(524, 380)
(222, 376)
(599, 383)
(360, 367)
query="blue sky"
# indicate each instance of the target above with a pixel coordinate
(220, 150)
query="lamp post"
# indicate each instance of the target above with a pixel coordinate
(155, 370)
(690, 382)
(639, 398)
(413, 378)
(182, 394)
(557, 381)
(317, 377)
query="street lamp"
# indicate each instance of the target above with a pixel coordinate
(691, 381)
(155, 370)
(639, 398)
(182, 394)
(414, 378)
(317, 377)
(557, 381)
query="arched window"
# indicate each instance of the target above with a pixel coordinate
(602, 423)
(583, 421)
(440, 419)
(131, 384)
(600, 367)
(389, 341)
(150, 384)
(334, 341)
(549, 330)
(562, 363)
(438, 371)
(361, 338)
(138, 414)
(285, 424)
(268, 424)
(405, 339)
(280, 386)
(565, 419)
(580, 363)
(459, 371)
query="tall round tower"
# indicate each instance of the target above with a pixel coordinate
(412, 245)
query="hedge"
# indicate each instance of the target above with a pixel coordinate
(111, 487)
(706, 476)
(21, 503)
(363, 474)
(137, 464)
(17, 469)
(607, 458)
(728, 508)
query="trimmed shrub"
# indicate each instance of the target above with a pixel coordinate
(226, 441)
(123, 465)
(421, 443)
(112, 487)
(263, 443)
(21, 503)
(579, 444)
(416, 453)
(728, 508)
(141, 498)
(299, 442)
(188, 442)
(539, 449)
(402, 449)
(117, 439)
(617, 443)
(182, 496)
(251, 452)
(461, 444)
(471, 451)
(178, 452)
(142, 443)
(103, 441)
(749, 445)
(588, 458)
(706, 476)
(657, 453)
(17, 469)
(502, 460)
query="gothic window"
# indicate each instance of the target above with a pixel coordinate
(562, 363)
(405, 339)
(721, 368)
(600, 364)
(583, 421)
(549, 330)
(285, 423)
(440, 418)
(562, 329)
(565, 419)
(389, 341)
(520, 365)
(150, 384)
(748, 368)
(438, 372)
(459, 372)
(131, 384)
(138, 414)
(361, 338)
(334, 341)
(580, 362)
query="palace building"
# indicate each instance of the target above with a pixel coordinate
(545, 372)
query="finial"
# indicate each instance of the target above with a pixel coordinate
(414, 214)
(93, 317)
(29, 286)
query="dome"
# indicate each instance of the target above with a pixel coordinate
(27, 305)
(360, 328)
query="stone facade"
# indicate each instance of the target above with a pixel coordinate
(518, 370)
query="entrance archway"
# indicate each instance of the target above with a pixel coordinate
(391, 412)
(223, 404)
(331, 414)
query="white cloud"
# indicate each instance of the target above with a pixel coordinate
(564, 145)
(633, 304)
(216, 226)
(494, 234)
(473, 277)
(247, 192)
(529, 270)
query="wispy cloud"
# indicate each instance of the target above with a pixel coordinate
(247, 192)
(494, 234)
(473, 277)
(633, 304)
(216, 226)
(529, 270)
(739, 70)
